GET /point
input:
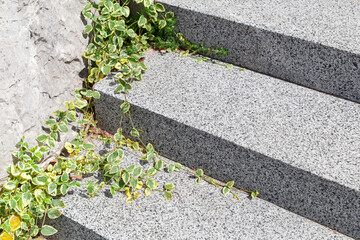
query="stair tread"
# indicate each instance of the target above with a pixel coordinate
(301, 127)
(332, 23)
(204, 214)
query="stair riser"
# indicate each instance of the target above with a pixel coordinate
(323, 201)
(292, 59)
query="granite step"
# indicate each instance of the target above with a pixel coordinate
(314, 43)
(298, 147)
(202, 212)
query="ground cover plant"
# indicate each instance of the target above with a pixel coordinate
(118, 40)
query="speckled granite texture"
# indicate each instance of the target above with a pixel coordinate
(299, 147)
(313, 43)
(204, 214)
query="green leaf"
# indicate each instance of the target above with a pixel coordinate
(26, 176)
(65, 177)
(150, 155)
(24, 226)
(159, 164)
(147, 3)
(88, 146)
(26, 198)
(64, 188)
(168, 195)
(199, 173)
(137, 171)
(53, 136)
(136, 146)
(142, 21)
(230, 184)
(159, 7)
(106, 69)
(130, 168)
(171, 168)
(225, 190)
(63, 126)
(116, 7)
(88, 28)
(41, 180)
(81, 104)
(14, 171)
(34, 230)
(148, 27)
(71, 115)
(91, 49)
(87, 6)
(87, 14)
(128, 87)
(162, 24)
(41, 138)
(10, 185)
(54, 127)
(50, 142)
(169, 15)
(12, 203)
(125, 107)
(169, 186)
(133, 182)
(117, 136)
(131, 33)
(126, 177)
(25, 217)
(52, 189)
(50, 122)
(108, 4)
(54, 213)
(151, 171)
(90, 188)
(151, 184)
(25, 187)
(44, 149)
(198, 180)
(134, 132)
(114, 169)
(125, 11)
(57, 203)
(47, 230)
(119, 89)
(99, 40)
(178, 166)
(96, 94)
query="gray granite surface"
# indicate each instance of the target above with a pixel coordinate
(202, 213)
(312, 43)
(297, 146)
(332, 23)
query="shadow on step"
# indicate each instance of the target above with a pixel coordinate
(69, 229)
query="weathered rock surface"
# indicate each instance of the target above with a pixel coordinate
(41, 46)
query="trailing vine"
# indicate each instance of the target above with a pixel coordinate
(118, 40)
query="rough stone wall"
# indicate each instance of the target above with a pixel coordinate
(41, 46)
